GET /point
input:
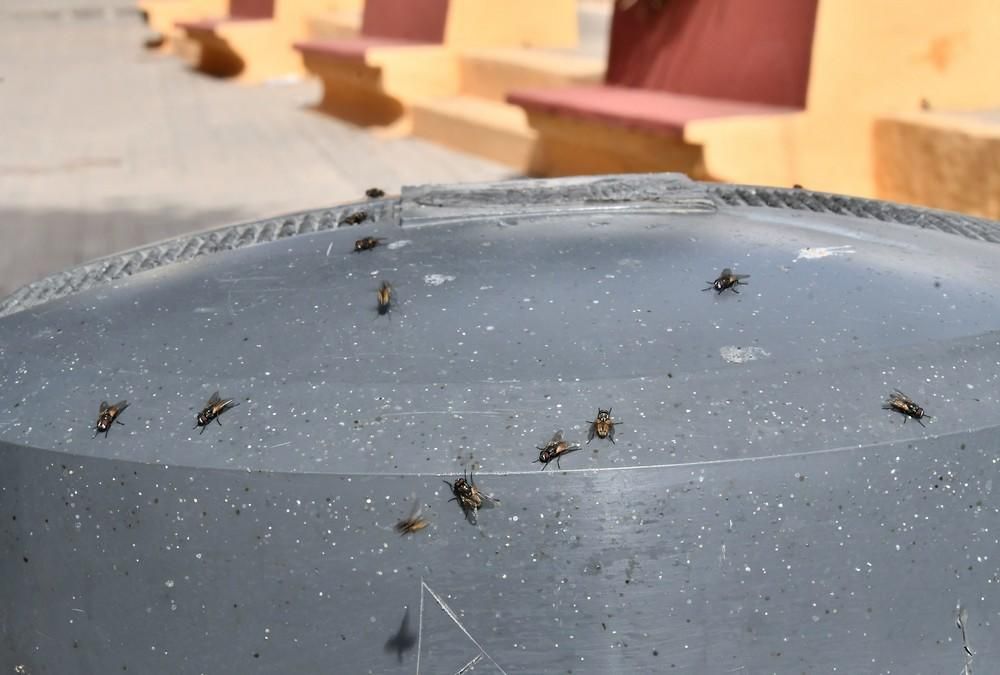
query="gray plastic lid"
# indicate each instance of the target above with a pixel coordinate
(759, 510)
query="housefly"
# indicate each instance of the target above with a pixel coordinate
(367, 243)
(384, 298)
(374, 193)
(603, 426)
(355, 218)
(903, 404)
(107, 416)
(469, 496)
(726, 280)
(215, 407)
(555, 449)
(414, 522)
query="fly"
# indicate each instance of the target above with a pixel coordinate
(603, 426)
(367, 243)
(107, 416)
(469, 496)
(414, 523)
(384, 298)
(355, 218)
(555, 449)
(374, 193)
(212, 410)
(726, 280)
(904, 405)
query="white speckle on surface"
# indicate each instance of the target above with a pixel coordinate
(810, 253)
(437, 279)
(398, 244)
(169, 583)
(733, 354)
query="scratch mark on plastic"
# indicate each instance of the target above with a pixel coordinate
(961, 618)
(451, 412)
(470, 664)
(420, 624)
(240, 280)
(454, 617)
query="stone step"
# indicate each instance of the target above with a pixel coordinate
(491, 73)
(490, 129)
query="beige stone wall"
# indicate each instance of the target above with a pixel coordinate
(945, 161)
(873, 59)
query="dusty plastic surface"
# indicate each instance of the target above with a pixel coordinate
(759, 512)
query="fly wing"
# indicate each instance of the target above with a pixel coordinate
(120, 406)
(405, 525)
(740, 276)
(104, 406)
(556, 438)
(898, 394)
(569, 447)
(213, 399)
(417, 510)
(725, 272)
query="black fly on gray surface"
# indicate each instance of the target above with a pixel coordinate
(554, 450)
(215, 407)
(107, 416)
(603, 426)
(726, 280)
(367, 243)
(469, 496)
(354, 218)
(374, 193)
(903, 404)
(384, 298)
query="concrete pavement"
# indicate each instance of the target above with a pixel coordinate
(105, 146)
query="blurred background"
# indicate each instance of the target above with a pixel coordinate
(127, 122)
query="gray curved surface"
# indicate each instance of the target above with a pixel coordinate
(759, 512)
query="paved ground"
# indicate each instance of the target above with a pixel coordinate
(104, 146)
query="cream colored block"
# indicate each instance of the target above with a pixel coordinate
(415, 73)
(497, 131)
(525, 23)
(164, 14)
(493, 72)
(336, 25)
(884, 56)
(942, 160)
